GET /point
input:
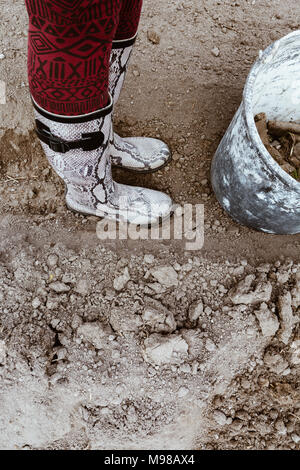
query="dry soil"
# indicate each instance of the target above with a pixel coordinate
(145, 345)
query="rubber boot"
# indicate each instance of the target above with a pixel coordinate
(140, 154)
(77, 148)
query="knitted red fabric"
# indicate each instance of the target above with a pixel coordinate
(129, 19)
(69, 46)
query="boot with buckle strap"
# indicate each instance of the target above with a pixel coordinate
(78, 148)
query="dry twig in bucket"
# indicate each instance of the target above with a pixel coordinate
(282, 140)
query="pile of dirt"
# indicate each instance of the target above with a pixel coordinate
(282, 140)
(138, 351)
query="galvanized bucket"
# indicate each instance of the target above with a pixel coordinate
(247, 181)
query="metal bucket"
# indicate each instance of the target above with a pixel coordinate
(247, 181)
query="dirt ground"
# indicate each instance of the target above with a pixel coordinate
(143, 345)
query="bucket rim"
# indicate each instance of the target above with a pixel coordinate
(247, 105)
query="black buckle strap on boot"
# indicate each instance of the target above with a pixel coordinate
(90, 141)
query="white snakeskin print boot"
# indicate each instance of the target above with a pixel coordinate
(140, 154)
(77, 148)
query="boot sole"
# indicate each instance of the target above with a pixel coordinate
(89, 214)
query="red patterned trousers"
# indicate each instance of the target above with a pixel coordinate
(69, 46)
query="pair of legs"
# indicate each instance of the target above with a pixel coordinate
(77, 59)
(70, 44)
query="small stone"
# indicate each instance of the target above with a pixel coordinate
(215, 51)
(76, 321)
(196, 310)
(210, 345)
(237, 424)
(273, 414)
(158, 318)
(59, 287)
(165, 275)
(52, 261)
(263, 381)
(156, 287)
(194, 368)
(82, 287)
(185, 368)
(121, 281)
(295, 438)
(119, 389)
(219, 417)
(242, 415)
(54, 322)
(268, 321)
(222, 289)
(242, 293)
(2, 352)
(245, 384)
(61, 353)
(275, 362)
(36, 302)
(280, 427)
(288, 321)
(46, 172)
(136, 72)
(296, 292)
(282, 277)
(295, 352)
(182, 392)
(238, 271)
(51, 304)
(149, 259)
(159, 349)
(153, 36)
(263, 268)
